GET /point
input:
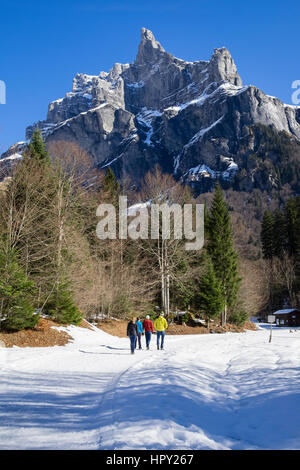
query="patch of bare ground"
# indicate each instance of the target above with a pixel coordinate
(43, 335)
(119, 327)
(85, 324)
(114, 327)
(213, 329)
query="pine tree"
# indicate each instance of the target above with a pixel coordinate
(292, 218)
(222, 252)
(267, 235)
(111, 186)
(28, 219)
(38, 220)
(296, 243)
(279, 234)
(37, 148)
(206, 222)
(16, 295)
(209, 297)
(60, 306)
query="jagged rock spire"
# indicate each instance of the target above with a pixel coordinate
(223, 68)
(149, 49)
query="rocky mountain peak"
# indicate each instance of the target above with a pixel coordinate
(223, 68)
(194, 119)
(149, 49)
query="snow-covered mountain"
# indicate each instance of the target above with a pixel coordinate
(194, 119)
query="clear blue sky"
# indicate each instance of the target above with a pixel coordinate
(44, 43)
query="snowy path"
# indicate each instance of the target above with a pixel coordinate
(233, 391)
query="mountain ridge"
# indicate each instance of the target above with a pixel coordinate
(194, 119)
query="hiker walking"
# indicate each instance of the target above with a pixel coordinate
(161, 325)
(140, 331)
(132, 333)
(148, 328)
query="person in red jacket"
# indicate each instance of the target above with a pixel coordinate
(148, 329)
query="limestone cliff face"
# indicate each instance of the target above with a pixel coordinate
(194, 119)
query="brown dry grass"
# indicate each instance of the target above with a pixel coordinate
(118, 328)
(114, 327)
(42, 336)
(85, 324)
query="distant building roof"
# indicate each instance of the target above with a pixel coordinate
(284, 312)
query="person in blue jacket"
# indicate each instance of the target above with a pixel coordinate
(140, 331)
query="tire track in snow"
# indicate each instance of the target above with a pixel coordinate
(108, 398)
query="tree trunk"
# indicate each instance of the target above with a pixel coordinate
(168, 294)
(163, 285)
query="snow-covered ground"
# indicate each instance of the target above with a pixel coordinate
(232, 391)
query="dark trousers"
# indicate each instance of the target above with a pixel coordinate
(161, 334)
(139, 340)
(148, 338)
(132, 342)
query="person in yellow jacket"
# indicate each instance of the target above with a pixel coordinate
(161, 325)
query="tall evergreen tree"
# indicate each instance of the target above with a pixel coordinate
(279, 234)
(221, 250)
(267, 235)
(16, 295)
(37, 147)
(61, 306)
(38, 216)
(295, 231)
(28, 216)
(209, 297)
(111, 187)
(206, 222)
(292, 218)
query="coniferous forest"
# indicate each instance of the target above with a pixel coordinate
(280, 238)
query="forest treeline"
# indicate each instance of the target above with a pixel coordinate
(53, 264)
(280, 238)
